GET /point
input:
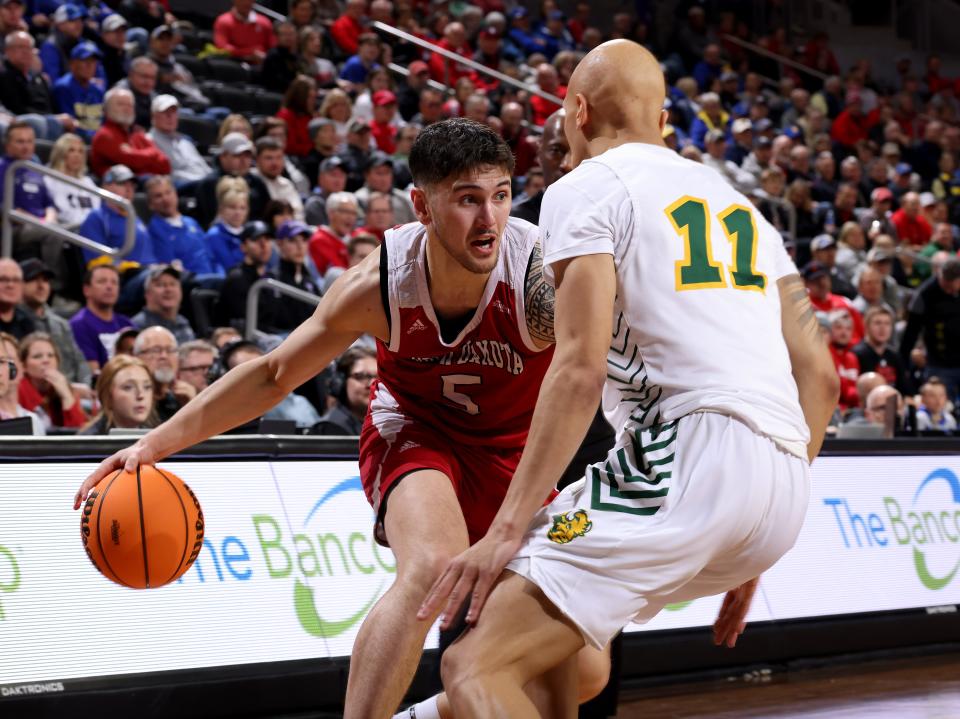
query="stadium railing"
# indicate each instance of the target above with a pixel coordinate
(10, 214)
(782, 59)
(253, 298)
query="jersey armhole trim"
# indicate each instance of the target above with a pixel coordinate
(384, 288)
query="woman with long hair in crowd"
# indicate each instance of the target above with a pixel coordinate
(223, 237)
(44, 389)
(312, 62)
(11, 375)
(126, 394)
(69, 156)
(299, 107)
(235, 122)
(377, 79)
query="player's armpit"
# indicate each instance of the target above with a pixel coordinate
(810, 361)
(539, 299)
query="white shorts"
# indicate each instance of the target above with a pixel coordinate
(682, 510)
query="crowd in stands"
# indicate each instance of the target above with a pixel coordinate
(255, 149)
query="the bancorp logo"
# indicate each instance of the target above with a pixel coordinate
(928, 522)
(10, 577)
(328, 550)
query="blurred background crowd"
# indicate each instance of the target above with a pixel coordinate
(270, 142)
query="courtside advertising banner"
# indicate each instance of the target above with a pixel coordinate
(289, 568)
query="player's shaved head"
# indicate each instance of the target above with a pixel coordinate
(615, 95)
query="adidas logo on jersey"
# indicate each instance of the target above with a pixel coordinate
(500, 306)
(416, 327)
(407, 445)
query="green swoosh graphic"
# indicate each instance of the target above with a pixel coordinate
(316, 625)
(678, 606)
(930, 581)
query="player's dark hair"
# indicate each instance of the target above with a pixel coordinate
(451, 148)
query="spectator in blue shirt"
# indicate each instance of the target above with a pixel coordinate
(355, 69)
(67, 29)
(79, 93)
(708, 69)
(224, 236)
(555, 35)
(107, 224)
(521, 36)
(176, 238)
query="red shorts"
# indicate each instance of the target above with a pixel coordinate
(479, 475)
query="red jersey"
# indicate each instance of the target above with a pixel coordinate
(481, 388)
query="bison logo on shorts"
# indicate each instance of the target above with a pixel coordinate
(569, 526)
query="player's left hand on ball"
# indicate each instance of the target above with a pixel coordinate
(470, 576)
(730, 622)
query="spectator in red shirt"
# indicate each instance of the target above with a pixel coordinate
(846, 362)
(851, 125)
(118, 142)
(523, 146)
(244, 33)
(912, 227)
(454, 40)
(549, 81)
(328, 246)
(382, 127)
(817, 279)
(347, 28)
(299, 108)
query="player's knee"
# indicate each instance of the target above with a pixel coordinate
(454, 666)
(426, 567)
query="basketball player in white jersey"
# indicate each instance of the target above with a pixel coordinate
(716, 380)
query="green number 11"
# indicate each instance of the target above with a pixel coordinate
(698, 270)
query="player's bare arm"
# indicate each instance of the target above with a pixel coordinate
(813, 370)
(539, 299)
(566, 405)
(351, 308)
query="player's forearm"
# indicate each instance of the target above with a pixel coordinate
(566, 406)
(819, 388)
(244, 393)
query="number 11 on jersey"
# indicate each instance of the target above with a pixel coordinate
(698, 270)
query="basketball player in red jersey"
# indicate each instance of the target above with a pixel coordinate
(462, 319)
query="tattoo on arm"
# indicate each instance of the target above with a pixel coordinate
(797, 293)
(539, 300)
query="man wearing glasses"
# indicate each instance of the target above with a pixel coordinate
(196, 359)
(13, 320)
(356, 370)
(157, 347)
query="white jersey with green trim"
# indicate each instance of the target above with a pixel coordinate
(697, 323)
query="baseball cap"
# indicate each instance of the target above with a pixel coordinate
(742, 124)
(814, 270)
(927, 199)
(715, 136)
(157, 272)
(762, 125)
(162, 103)
(292, 228)
(358, 126)
(729, 76)
(383, 97)
(67, 12)
(519, 12)
(313, 127)
(379, 159)
(332, 163)
(822, 242)
(709, 97)
(162, 30)
(490, 31)
(792, 132)
(33, 268)
(556, 15)
(253, 230)
(236, 143)
(890, 148)
(878, 254)
(113, 22)
(418, 66)
(85, 50)
(763, 141)
(881, 194)
(118, 174)
(903, 168)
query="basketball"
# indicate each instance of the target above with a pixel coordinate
(144, 529)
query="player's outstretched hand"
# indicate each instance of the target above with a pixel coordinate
(127, 459)
(469, 575)
(730, 622)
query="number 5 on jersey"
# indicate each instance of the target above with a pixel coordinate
(450, 382)
(698, 270)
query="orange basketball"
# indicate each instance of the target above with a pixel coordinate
(142, 529)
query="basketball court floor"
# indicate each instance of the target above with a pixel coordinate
(919, 688)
